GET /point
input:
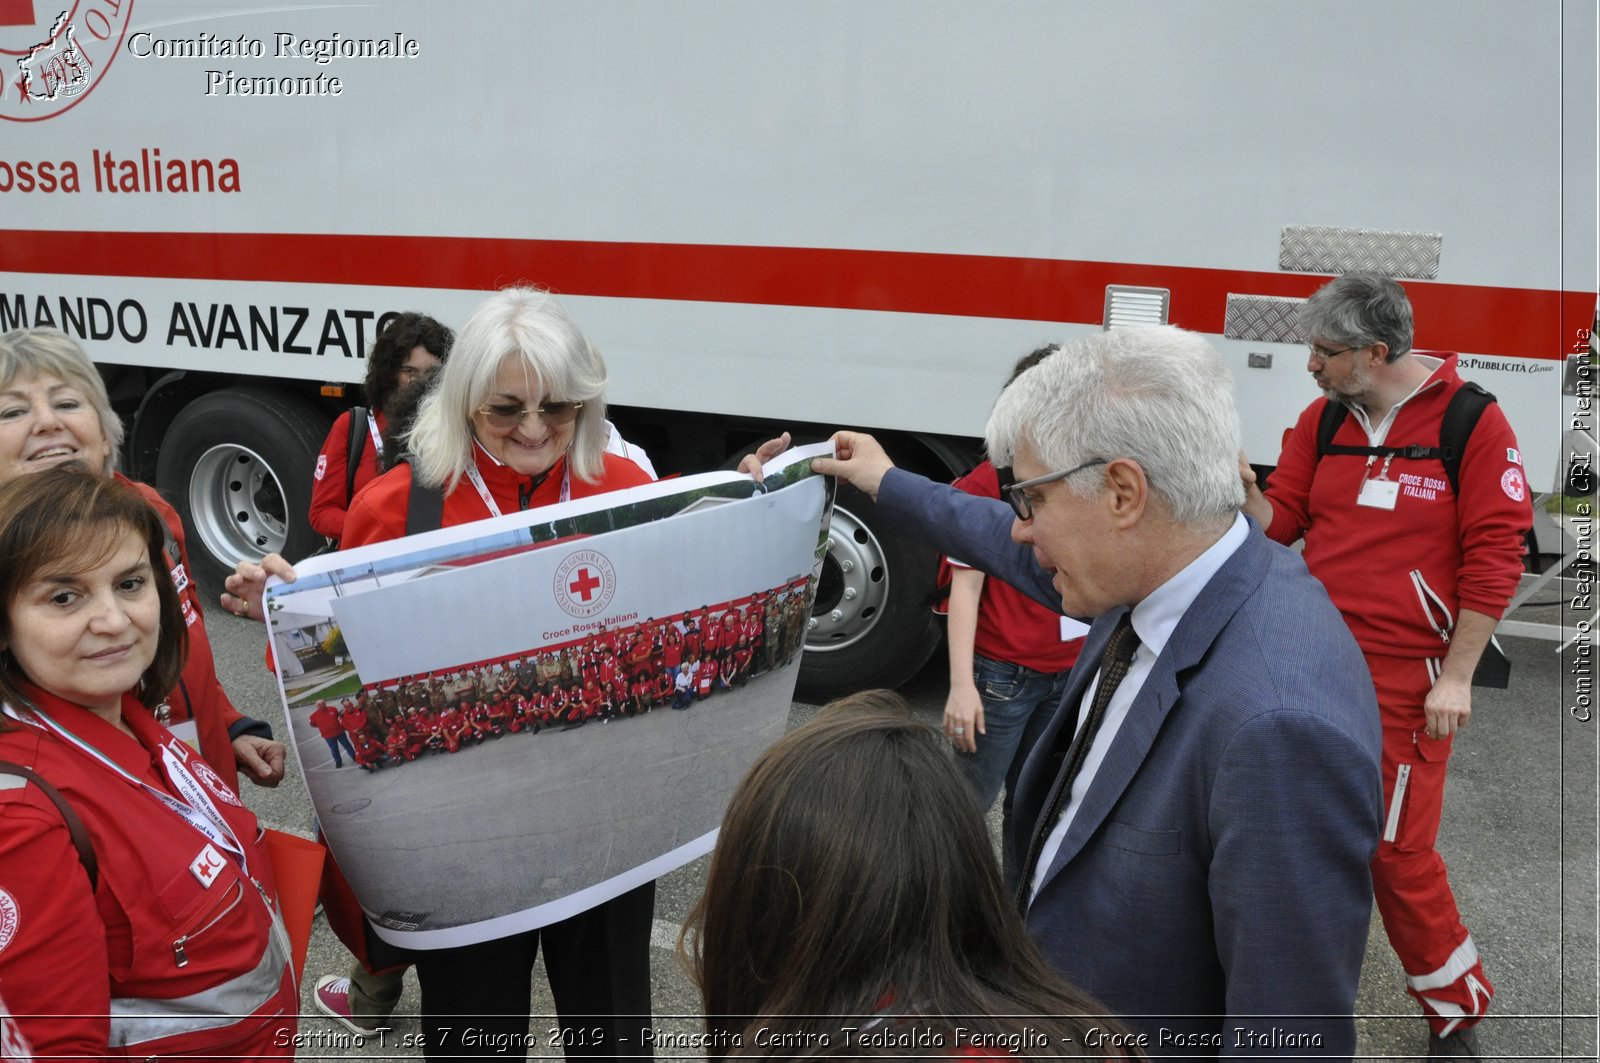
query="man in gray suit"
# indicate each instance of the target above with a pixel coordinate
(1199, 816)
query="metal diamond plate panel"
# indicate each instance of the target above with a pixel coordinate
(1268, 318)
(1327, 249)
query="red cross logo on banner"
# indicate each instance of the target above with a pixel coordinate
(585, 585)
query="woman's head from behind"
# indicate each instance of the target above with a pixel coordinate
(87, 608)
(53, 406)
(518, 353)
(854, 862)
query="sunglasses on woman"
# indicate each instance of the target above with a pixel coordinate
(512, 414)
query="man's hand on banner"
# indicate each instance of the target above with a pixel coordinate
(861, 462)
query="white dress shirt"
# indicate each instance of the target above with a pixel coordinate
(1154, 619)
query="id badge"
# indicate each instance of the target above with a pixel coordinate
(188, 731)
(1378, 494)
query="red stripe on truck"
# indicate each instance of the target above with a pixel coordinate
(1523, 322)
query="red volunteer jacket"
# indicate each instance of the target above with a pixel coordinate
(325, 718)
(379, 512)
(178, 940)
(199, 695)
(328, 501)
(1401, 575)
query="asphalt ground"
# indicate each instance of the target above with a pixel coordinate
(1519, 837)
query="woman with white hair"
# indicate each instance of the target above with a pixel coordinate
(515, 420)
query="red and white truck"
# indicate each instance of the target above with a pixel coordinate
(782, 215)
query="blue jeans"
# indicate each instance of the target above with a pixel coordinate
(1017, 704)
(342, 740)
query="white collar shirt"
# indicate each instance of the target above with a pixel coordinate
(1154, 619)
(1377, 434)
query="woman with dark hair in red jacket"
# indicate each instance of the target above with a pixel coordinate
(408, 346)
(137, 913)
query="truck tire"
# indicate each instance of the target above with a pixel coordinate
(872, 624)
(237, 464)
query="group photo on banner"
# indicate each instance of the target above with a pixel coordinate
(561, 700)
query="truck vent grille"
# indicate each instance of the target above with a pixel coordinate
(1328, 249)
(1135, 306)
(1266, 318)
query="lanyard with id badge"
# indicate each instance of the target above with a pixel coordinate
(1379, 492)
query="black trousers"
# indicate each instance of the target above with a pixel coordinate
(475, 998)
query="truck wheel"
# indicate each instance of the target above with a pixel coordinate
(237, 464)
(871, 624)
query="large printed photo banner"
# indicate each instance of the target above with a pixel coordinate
(504, 723)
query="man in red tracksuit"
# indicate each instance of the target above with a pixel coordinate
(353, 718)
(453, 727)
(397, 745)
(325, 718)
(369, 754)
(1421, 575)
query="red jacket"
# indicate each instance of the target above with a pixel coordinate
(367, 751)
(325, 718)
(1400, 576)
(379, 513)
(199, 695)
(145, 963)
(329, 503)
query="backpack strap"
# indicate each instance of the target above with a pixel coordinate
(354, 446)
(424, 506)
(1333, 415)
(1461, 416)
(75, 827)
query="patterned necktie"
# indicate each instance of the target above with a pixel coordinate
(1114, 665)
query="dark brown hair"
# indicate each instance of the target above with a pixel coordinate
(399, 414)
(67, 517)
(854, 880)
(399, 336)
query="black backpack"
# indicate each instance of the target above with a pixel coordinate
(1460, 418)
(356, 445)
